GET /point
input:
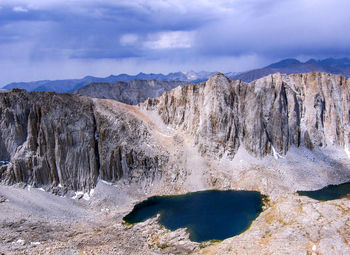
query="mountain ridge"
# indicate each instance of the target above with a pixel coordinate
(132, 92)
(290, 66)
(68, 140)
(71, 85)
(287, 66)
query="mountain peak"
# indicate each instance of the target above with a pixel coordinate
(311, 61)
(218, 79)
(285, 63)
(74, 84)
(336, 62)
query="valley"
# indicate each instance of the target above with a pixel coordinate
(276, 135)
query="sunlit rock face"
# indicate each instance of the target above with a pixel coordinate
(265, 116)
(276, 135)
(71, 141)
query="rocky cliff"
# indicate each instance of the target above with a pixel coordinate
(265, 116)
(132, 92)
(70, 141)
(65, 141)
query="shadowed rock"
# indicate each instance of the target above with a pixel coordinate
(132, 92)
(68, 140)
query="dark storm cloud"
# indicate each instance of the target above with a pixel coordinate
(9, 15)
(38, 38)
(281, 29)
(95, 30)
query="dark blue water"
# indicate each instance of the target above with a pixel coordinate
(207, 215)
(330, 192)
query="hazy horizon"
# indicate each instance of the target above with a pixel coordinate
(48, 40)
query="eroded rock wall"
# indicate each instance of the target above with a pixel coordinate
(66, 141)
(70, 141)
(266, 116)
(48, 139)
(124, 138)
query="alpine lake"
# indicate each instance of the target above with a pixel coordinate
(329, 192)
(207, 215)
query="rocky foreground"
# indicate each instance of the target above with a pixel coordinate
(276, 135)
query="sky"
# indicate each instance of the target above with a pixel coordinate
(56, 39)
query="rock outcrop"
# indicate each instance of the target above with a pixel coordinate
(265, 116)
(48, 139)
(124, 136)
(70, 141)
(132, 92)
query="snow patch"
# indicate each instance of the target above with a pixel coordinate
(86, 196)
(106, 210)
(41, 189)
(81, 194)
(276, 155)
(314, 247)
(19, 241)
(106, 182)
(78, 194)
(29, 187)
(347, 151)
(60, 185)
(34, 243)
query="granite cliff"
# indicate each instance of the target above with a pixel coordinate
(276, 135)
(67, 141)
(265, 116)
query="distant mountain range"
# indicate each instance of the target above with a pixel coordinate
(71, 85)
(287, 66)
(290, 66)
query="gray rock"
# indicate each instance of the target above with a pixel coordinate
(2, 199)
(68, 141)
(132, 92)
(266, 116)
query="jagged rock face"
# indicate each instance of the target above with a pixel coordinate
(49, 139)
(123, 144)
(67, 140)
(269, 114)
(133, 92)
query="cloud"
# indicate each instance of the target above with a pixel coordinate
(128, 39)
(19, 9)
(279, 29)
(170, 40)
(161, 35)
